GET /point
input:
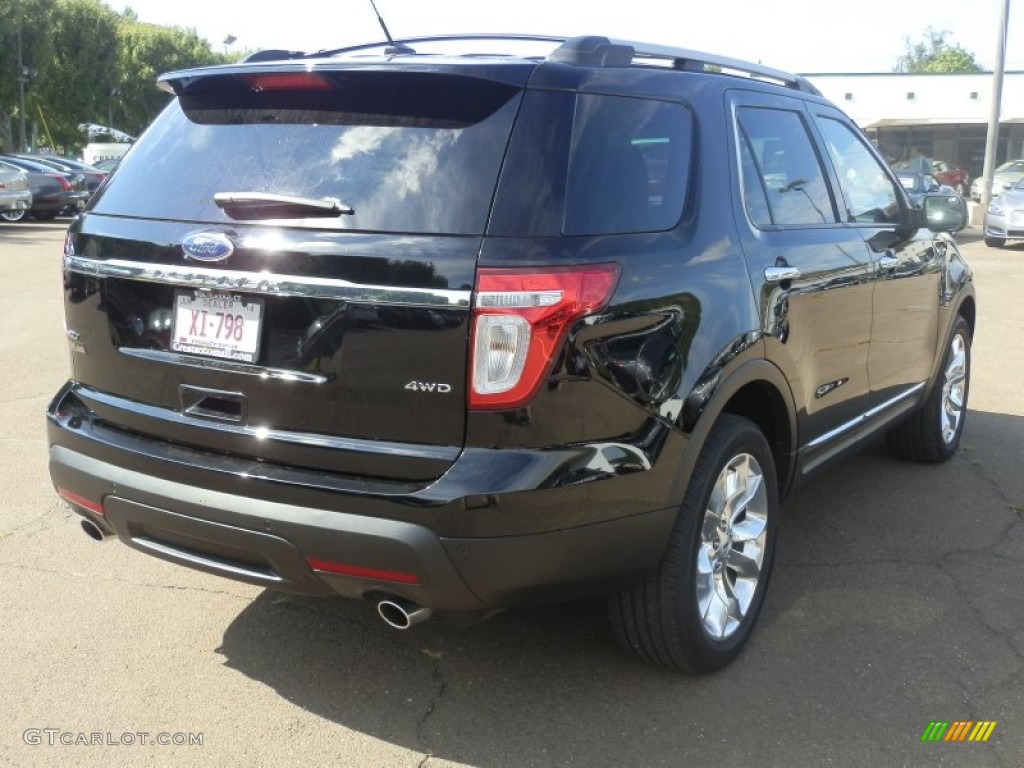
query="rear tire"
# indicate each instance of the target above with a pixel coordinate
(14, 216)
(44, 215)
(933, 433)
(696, 613)
(995, 242)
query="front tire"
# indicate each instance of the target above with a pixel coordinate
(696, 613)
(933, 433)
(995, 242)
(14, 216)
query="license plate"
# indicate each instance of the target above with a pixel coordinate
(222, 325)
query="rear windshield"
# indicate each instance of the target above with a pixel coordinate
(405, 152)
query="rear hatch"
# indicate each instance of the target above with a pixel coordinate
(282, 266)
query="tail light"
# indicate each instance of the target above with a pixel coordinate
(63, 182)
(520, 319)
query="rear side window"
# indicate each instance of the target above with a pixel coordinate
(408, 152)
(781, 170)
(627, 166)
(588, 164)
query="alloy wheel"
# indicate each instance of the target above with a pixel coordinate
(953, 386)
(732, 544)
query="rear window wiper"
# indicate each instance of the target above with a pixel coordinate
(268, 205)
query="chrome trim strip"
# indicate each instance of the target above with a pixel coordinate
(306, 439)
(208, 363)
(831, 435)
(267, 283)
(219, 566)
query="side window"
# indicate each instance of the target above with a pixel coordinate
(755, 198)
(628, 165)
(778, 158)
(870, 194)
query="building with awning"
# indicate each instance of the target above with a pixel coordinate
(941, 116)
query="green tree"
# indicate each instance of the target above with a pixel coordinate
(145, 51)
(74, 83)
(29, 20)
(935, 54)
(88, 65)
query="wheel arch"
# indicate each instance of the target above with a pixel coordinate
(756, 390)
(968, 310)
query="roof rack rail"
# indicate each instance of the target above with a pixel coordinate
(589, 50)
(602, 51)
(407, 41)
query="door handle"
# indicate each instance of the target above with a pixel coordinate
(888, 262)
(779, 274)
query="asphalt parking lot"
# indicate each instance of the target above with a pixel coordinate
(897, 600)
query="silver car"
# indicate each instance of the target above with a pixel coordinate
(1005, 176)
(15, 195)
(1004, 219)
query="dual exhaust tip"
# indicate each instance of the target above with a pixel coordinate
(397, 612)
(93, 531)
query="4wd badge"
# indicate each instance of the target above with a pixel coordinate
(428, 386)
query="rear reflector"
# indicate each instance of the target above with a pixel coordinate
(79, 501)
(371, 574)
(520, 319)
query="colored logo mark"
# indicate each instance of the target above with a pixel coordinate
(207, 246)
(958, 730)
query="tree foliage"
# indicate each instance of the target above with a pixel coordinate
(87, 64)
(935, 54)
(146, 51)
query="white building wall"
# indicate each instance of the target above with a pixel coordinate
(879, 100)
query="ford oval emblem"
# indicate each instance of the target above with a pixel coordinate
(207, 246)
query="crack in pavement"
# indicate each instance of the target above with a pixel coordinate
(431, 709)
(1014, 506)
(56, 506)
(116, 580)
(996, 632)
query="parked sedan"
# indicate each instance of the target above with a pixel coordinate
(93, 176)
(15, 195)
(1006, 176)
(1004, 219)
(53, 191)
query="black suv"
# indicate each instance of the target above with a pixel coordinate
(456, 333)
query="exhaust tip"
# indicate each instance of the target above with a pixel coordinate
(93, 531)
(402, 614)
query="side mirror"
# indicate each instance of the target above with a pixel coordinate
(945, 213)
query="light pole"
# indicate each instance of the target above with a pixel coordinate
(22, 79)
(992, 143)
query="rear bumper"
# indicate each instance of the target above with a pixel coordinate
(276, 534)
